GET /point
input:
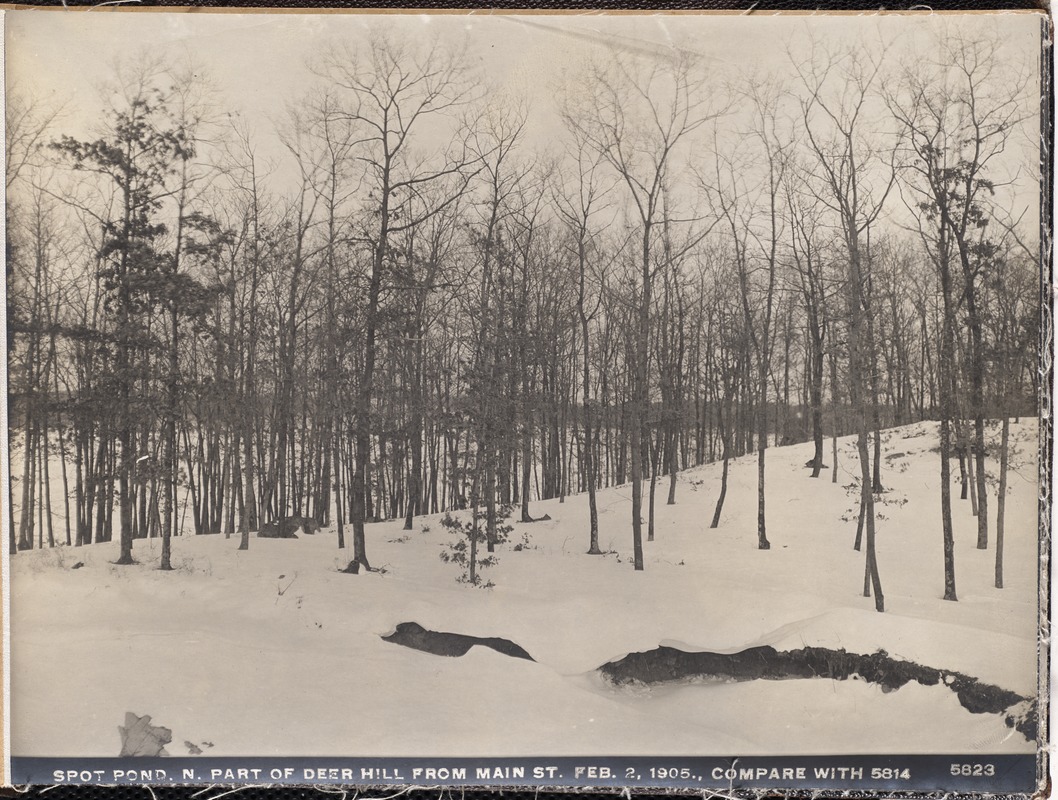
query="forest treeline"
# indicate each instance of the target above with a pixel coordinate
(401, 301)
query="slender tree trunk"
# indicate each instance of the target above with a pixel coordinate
(339, 509)
(29, 461)
(859, 535)
(964, 481)
(590, 469)
(946, 388)
(834, 401)
(977, 450)
(816, 396)
(169, 443)
(414, 503)
(639, 401)
(359, 486)
(859, 348)
(1001, 500)
(655, 458)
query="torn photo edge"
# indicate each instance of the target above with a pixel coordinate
(747, 776)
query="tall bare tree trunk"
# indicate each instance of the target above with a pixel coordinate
(1001, 500)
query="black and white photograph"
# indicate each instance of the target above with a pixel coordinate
(513, 385)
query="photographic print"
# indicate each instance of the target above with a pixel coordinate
(527, 398)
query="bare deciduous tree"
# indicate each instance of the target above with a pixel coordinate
(851, 176)
(637, 115)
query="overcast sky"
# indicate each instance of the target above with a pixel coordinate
(258, 61)
(260, 58)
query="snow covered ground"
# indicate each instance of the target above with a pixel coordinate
(274, 652)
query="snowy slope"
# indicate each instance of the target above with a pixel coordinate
(273, 651)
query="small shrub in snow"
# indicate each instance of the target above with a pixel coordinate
(525, 544)
(425, 529)
(472, 539)
(887, 498)
(891, 500)
(191, 565)
(57, 556)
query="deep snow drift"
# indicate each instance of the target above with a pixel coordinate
(275, 652)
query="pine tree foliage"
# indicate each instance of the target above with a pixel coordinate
(472, 535)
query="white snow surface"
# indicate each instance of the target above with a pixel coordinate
(273, 651)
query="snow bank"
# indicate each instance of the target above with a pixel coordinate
(273, 651)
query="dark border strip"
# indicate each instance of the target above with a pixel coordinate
(979, 774)
(586, 5)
